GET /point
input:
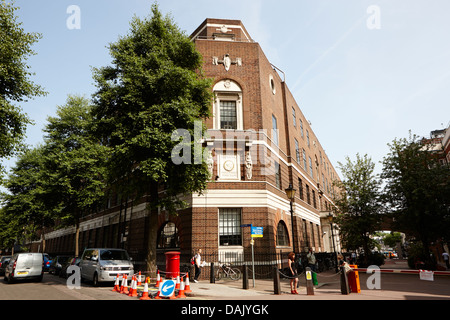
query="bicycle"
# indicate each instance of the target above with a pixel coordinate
(225, 270)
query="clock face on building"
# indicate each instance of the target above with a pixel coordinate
(228, 165)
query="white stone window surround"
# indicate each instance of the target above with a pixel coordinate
(227, 90)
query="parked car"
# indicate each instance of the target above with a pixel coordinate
(72, 261)
(47, 261)
(56, 265)
(25, 266)
(103, 265)
(3, 263)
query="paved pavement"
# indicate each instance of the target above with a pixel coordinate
(393, 286)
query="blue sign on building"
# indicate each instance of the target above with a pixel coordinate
(257, 232)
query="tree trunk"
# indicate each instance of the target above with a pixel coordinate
(77, 237)
(152, 232)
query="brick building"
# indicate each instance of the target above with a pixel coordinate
(259, 143)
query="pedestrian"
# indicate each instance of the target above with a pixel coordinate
(343, 263)
(197, 264)
(311, 260)
(293, 273)
(445, 257)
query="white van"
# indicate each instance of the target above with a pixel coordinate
(104, 264)
(25, 266)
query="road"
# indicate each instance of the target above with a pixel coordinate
(55, 288)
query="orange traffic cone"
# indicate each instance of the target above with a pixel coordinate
(139, 281)
(122, 286)
(158, 280)
(133, 289)
(125, 286)
(159, 291)
(187, 287)
(145, 295)
(181, 291)
(177, 284)
(116, 285)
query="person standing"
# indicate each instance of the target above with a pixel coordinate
(292, 273)
(311, 260)
(197, 264)
(445, 257)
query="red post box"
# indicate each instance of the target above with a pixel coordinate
(353, 279)
(172, 264)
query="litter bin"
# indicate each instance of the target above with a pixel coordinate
(172, 264)
(353, 280)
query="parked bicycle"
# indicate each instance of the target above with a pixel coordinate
(226, 271)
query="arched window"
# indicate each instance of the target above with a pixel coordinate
(227, 109)
(168, 237)
(282, 234)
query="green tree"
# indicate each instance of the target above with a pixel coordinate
(359, 210)
(417, 190)
(74, 162)
(154, 87)
(15, 83)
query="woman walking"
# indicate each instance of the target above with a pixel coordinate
(293, 272)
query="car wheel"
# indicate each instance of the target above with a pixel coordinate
(95, 280)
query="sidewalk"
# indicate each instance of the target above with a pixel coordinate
(394, 286)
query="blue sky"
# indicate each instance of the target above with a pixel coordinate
(359, 87)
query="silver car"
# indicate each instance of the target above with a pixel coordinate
(104, 264)
(24, 266)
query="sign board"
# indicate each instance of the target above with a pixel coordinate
(257, 232)
(245, 225)
(308, 275)
(167, 288)
(426, 275)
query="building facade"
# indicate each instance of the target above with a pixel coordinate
(258, 144)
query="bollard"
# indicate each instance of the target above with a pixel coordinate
(212, 278)
(309, 282)
(244, 277)
(344, 282)
(276, 281)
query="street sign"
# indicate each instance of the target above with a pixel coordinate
(167, 288)
(257, 232)
(245, 225)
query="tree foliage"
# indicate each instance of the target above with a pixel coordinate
(358, 204)
(153, 87)
(15, 83)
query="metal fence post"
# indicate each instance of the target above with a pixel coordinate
(276, 281)
(212, 279)
(344, 282)
(309, 282)
(244, 277)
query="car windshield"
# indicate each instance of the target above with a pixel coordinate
(113, 255)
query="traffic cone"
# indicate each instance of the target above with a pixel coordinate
(158, 280)
(145, 295)
(133, 291)
(177, 284)
(181, 291)
(131, 286)
(159, 291)
(139, 281)
(122, 286)
(187, 287)
(125, 286)
(116, 285)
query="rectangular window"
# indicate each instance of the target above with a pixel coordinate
(307, 137)
(228, 116)
(304, 159)
(274, 130)
(314, 199)
(310, 168)
(230, 227)
(301, 127)
(277, 175)
(294, 120)
(300, 188)
(308, 197)
(297, 151)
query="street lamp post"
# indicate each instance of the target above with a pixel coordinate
(330, 219)
(290, 192)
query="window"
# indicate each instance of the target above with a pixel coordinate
(305, 233)
(228, 115)
(168, 236)
(277, 175)
(227, 107)
(230, 227)
(310, 168)
(294, 120)
(304, 159)
(308, 197)
(314, 199)
(307, 137)
(274, 130)
(300, 188)
(297, 151)
(282, 234)
(301, 127)
(313, 239)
